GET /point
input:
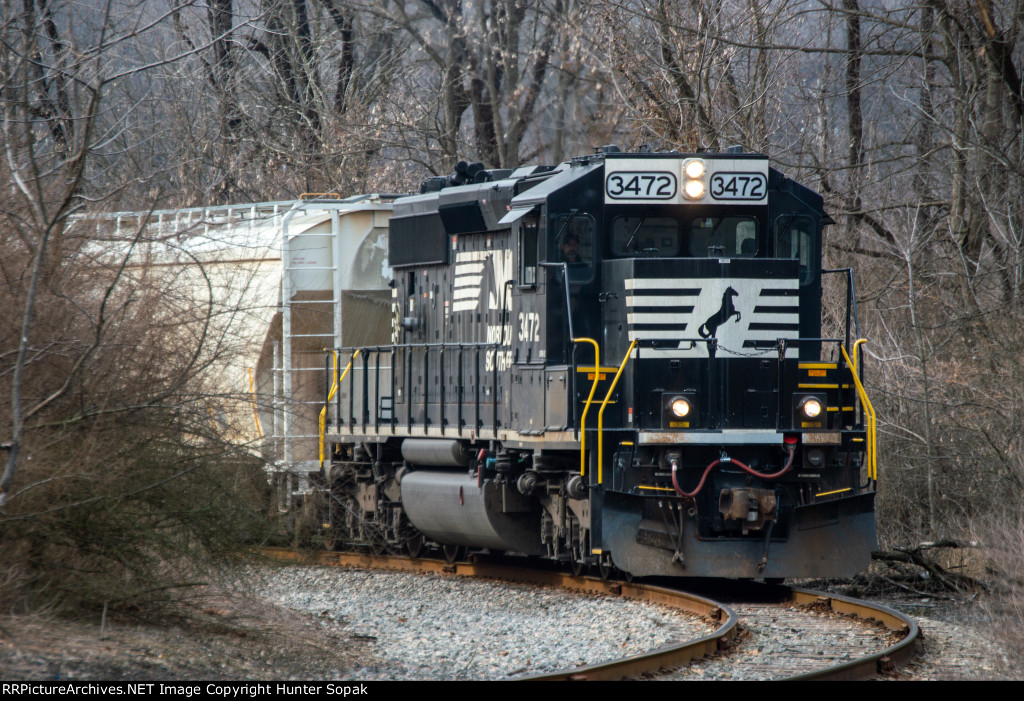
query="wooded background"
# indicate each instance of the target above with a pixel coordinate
(906, 115)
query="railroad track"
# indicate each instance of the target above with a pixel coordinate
(866, 639)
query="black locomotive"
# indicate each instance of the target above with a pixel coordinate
(614, 362)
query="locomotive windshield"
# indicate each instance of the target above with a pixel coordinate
(645, 235)
(728, 237)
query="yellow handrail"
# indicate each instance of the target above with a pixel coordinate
(600, 414)
(869, 411)
(330, 395)
(252, 400)
(586, 407)
(856, 349)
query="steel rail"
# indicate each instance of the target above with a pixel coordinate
(867, 667)
(870, 666)
(651, 661)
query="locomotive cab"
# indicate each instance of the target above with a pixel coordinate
(739, 438)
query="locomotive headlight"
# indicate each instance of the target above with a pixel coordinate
(680, 407)
(811, 408)
(809, 411)
(694, 171)
(694, 189)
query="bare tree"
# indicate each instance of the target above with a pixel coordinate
(490, 64)
(699, 74)
(47, 139)
(109, 366)
(908, 118)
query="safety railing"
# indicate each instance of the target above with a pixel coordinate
(871, 454)
(846, 394)
(600, 414)
(467, 416)
(586, 407)
(851, 319)
(327, 402)
(582, 425)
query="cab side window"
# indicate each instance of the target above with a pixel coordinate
(528, 251)
(794, 238)
(573, 244)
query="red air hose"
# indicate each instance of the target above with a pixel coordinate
(707, 470)
(479, 469)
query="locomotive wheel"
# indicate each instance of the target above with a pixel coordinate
(292, 526)
(453, 553)
(415, 546)
(377, 542)
(331, 537)
(351, 518)
(331, 540)
(605, 568)
(576, 562)
(301, 520)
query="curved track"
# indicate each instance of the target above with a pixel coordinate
(887, 660)
(728, 628)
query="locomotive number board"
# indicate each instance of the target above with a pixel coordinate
(666, 181)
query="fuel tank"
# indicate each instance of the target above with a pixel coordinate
(452, 509)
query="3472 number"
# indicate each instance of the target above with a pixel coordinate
(529, 327)
(630, 185)
(738, 186)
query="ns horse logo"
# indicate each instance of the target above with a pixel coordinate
(724, 313)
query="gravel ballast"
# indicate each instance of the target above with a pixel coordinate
(437, 627)
(333, 624)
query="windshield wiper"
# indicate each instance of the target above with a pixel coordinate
(632, 237)
(572, 215)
